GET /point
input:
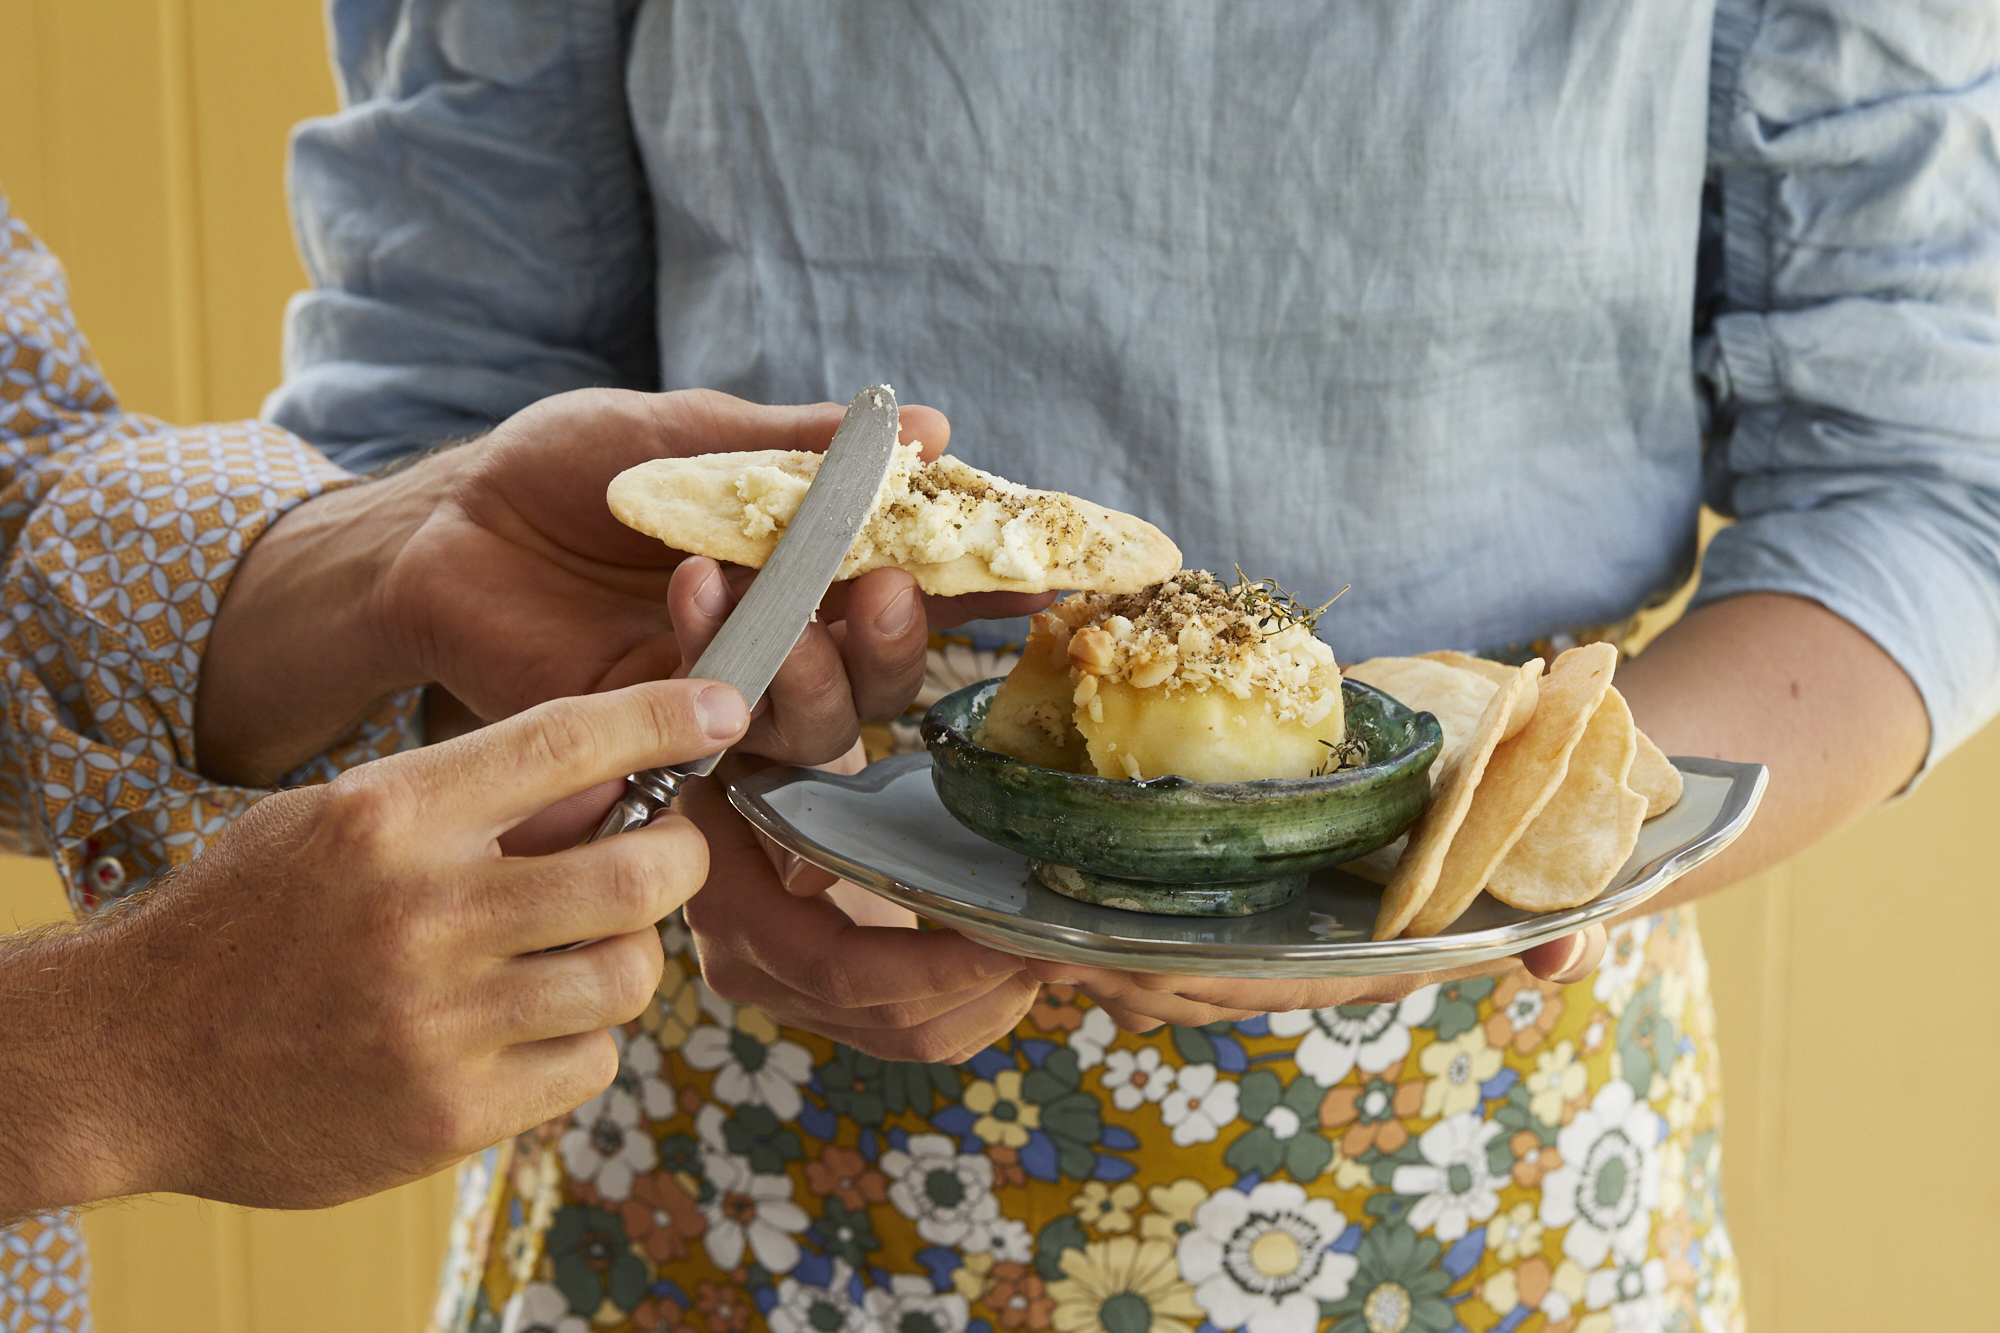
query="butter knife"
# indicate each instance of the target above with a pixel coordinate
(781, 600)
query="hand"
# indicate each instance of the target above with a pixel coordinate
(350, 989)
(495, 571)
(889, 990)
(1140, 1002)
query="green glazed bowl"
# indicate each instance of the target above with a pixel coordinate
(1168, 845)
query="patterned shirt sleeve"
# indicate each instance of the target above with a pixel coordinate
(120, 534)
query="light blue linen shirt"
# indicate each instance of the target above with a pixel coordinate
(1467, 305)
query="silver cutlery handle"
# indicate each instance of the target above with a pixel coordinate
(647, 793)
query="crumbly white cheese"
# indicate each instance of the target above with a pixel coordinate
(932, 514)
(1195, 632)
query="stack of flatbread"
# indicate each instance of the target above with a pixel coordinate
(1537, 796)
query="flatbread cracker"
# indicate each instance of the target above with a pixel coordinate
(1497, 672)
(1654, 777)
(1454, 697)
(1430, 840)
(1519, 780)
(954, 528)
(1588, 828)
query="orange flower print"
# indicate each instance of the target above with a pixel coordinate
(724, 1306)
(1006, 1166)
(1019, 1297)
(842, 1173)
(1532, 1161)
(1525, 1012)
(660, 1315)
(1372, 1111)
(661, 1217)
(1677, 1241)
(1056, 1009)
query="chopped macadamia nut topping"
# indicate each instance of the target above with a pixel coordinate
(933, 513)
(1195, 632)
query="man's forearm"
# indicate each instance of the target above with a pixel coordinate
(1783, 682)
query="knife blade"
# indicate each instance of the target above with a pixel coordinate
(780, 602)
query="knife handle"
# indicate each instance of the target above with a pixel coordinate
(647, 793)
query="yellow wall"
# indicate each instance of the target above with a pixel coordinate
(143, 139)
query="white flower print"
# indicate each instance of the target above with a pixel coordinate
(1260, 1261)
(1011, 1241)
(750, 1210)
(1199, 1105)
(1283, 1122)
(752, 1063)
(1093, 1038)
(1632, 1291)
(1624, 956)
(1373, 1036)
(1136, 1076)
(1608, 1185)
(606, 1143)
(909, 1305)
(639, 1074)
(1456, 1187)
(948, 1194)
(540, 1308)
(828, 1309)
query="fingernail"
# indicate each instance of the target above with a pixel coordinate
(993, 963)
(712, 597)
(898, 616)
(721, 712)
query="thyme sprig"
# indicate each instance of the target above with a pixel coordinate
(1275, 608)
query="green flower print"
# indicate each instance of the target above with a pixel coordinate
(1397, 1287)
(846, 1233)
(1073, 1120)
(1286, 1137)
(1646, 1041)
(594, 1260)
(755, 1133)
(1457, 1009)
(868, 1090)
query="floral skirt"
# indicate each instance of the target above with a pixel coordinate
(1480, 1156)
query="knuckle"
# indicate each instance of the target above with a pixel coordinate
(446, 1123)
(635, 976)
(830, 979)
(729, 980)
(361, 815)
(927, 1046)
(557, 734)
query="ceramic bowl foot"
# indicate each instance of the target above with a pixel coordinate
(1236, 898)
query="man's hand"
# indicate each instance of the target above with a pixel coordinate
(1140, 1002)
(352, 988)
(890, 990)
(496, 571)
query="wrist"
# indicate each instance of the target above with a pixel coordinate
(81, 1125)
(308, 638)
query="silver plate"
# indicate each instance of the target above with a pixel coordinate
(885, 830)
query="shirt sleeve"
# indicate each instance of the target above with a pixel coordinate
(120, 535)
(474, 220)
(1854, 355)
